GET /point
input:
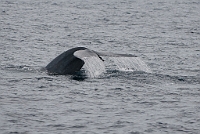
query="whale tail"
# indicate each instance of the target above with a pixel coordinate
(71, 61)
(66, 63)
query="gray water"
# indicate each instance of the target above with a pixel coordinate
(165, 34)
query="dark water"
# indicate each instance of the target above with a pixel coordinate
(164, 34)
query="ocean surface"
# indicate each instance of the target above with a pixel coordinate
(165, 34)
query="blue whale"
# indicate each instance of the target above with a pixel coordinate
(71, 61)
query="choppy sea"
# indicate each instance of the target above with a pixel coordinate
(165, 34)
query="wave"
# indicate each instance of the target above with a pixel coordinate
(110, 73)
(151, 78)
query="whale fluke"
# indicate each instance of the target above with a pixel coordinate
(72, 60)
(66, 63)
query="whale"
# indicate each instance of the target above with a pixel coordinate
(72, 60)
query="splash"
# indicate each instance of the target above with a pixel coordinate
(130, 64)
(93, 66)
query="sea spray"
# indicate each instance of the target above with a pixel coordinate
(93, 66)
(130, 64)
